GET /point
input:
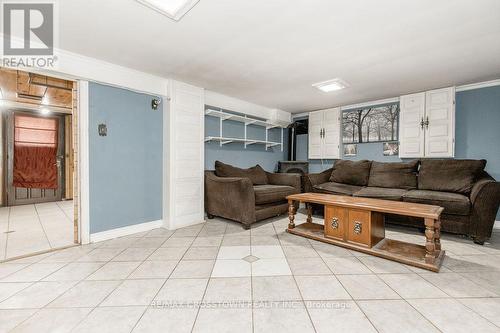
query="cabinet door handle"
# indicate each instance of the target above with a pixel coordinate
(335, 223)
(358, 227)
(422, 123)
(427, 122)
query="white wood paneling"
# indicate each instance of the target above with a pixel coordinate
(184, 155)
(440, 114)
(331, 139)
(314, 136)
(411, 133)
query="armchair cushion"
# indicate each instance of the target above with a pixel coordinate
(351, 172)
(448, 175)
(453, 203)
(265, 194)
(337, 188)
(401, 175)
(256, 174)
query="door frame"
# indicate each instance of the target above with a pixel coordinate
(9, 143)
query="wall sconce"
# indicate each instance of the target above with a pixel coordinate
(155, 103)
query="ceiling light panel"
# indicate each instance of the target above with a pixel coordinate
(331, 85)
(174, 9)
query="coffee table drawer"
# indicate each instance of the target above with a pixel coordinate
(335, 222)
(358, 229)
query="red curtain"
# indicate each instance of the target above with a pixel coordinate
(35, 152)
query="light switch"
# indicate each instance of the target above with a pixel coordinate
(102, 129)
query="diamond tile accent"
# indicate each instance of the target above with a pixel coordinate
(250, 259)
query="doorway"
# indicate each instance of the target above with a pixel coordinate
(37, 169)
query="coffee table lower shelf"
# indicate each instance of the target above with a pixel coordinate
(403, 252)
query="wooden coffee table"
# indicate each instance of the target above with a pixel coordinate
(358, 224)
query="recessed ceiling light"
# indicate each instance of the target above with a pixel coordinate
(331, 85)
(175, 9)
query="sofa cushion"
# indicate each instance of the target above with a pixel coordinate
(337, 188)
(265, 194)
(401, 175)
(381, 193)
(256, 174)
(449, 175)
(351, 172)
(453, 203)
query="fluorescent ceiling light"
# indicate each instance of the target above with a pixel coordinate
(175, 9)
(331, 85)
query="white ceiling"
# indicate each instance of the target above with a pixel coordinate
(269, 52)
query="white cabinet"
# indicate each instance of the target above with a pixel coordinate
(427, 124)
(324, 134)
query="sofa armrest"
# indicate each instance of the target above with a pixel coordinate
(230, 197)
(288, 179)
(485, 199)
(312, 179)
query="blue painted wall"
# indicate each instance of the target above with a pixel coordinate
(125, 165)
(235, 153)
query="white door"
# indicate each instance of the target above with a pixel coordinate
(331, 140)
(440, 116)
(411, 129)
(314, 136)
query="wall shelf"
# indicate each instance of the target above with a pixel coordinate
(222, 115)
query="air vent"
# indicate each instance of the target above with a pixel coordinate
(28, 96)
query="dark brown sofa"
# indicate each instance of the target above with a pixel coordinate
(469, 195)
(247, 195)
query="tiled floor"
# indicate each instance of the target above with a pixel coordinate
(29, 229)
(218, 277)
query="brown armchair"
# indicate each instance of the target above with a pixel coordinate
(246, 200)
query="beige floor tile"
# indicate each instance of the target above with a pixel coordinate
(488, 308)
(111, 320)
(38, 295)
(134, 292)
(346, 265)
(338, 316)
(300, 252)
(308, 266)
(85, 294)
(193, 269)
(181, 290)
(168, 253)
(267, 251)
(162, 320)
(201, 253)
(74, 271)
(100, 255)
(33, 273)
(487, 280)
(229, 289)
(265, 240)
(207, 241)
(233, 252)
(456, 285)
(412, 286)
(382, 266)
(53, 320)
(395, 316)
(290, 317)
(178, 242)
(11, 318)
(134, 254)
(329, 251)
(275, 288)
(149, 242)
(231, 268)
(236, 241)
(7, 269)
(321, 288)
(8, 289)
(450, 316)
(159, 232)
(366, 287)
(114, 271)
(271, 267)
(154, 270)
(224, 320)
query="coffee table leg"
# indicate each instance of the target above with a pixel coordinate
(437, 235)
(291, 214)
(430, 245)
(309, 213)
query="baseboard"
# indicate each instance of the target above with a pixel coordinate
(496, 225)
(125, 231)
